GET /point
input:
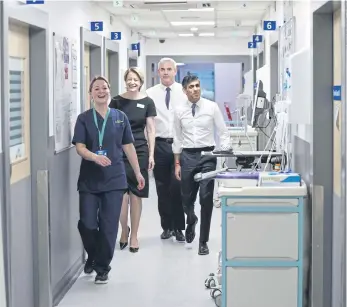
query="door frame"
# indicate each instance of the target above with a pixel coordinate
(38, 23)
(112, 48)
(95, 41)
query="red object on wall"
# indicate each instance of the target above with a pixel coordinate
(227, 110)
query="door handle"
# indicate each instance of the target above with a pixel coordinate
(10, 169)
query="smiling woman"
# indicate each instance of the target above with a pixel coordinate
(101, 136)
(141, 111)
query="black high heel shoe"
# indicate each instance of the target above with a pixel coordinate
(123, 245)
(133, 249)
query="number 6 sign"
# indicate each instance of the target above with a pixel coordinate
(269, 25)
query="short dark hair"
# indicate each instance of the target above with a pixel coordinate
(189, 79)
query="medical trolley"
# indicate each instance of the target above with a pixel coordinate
(263, 229)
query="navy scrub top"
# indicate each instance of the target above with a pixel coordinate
(94, 178)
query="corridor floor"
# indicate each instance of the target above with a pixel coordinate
(162, 273)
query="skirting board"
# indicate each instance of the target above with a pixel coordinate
(65, 284)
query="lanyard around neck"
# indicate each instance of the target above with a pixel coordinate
(102, 132)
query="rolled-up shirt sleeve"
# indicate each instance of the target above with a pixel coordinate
(177, 134)
(222, 130)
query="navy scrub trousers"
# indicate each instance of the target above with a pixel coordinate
(101, 189)
(98, 227)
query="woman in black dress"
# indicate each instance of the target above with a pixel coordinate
(140, 110)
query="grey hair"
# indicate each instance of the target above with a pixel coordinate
(167, 60)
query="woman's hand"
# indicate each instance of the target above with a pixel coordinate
(140, 181)
(102, 160)
(151, 163)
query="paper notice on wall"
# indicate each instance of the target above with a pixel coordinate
(337, 117)
(65, 93)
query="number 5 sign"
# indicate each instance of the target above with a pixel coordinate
(269, 25)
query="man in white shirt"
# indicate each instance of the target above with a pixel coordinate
(194, 125)
(166, 96)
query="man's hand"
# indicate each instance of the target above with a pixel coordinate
(178, 171)
(140, 181)
(150, 163)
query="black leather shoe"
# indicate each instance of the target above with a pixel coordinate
(89, 266)
(167, 234)
(179, 236)
(123, 245)
(203, 249)
(190, 231)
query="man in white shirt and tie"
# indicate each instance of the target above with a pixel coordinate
(166, 96)
(194, 126)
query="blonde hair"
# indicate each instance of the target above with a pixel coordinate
(98, 78)
(137, 72)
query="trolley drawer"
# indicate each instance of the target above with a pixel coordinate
(259, 287)
(273, 236)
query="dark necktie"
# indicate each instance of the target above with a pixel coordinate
(193, 109)
(167, 97)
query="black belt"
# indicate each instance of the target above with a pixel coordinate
(210, 148)
(166, 140)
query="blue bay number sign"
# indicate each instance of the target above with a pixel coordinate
(35, 2)
(252, 45)
(116, 36)
(269, 25)
(337, 92)
(258, 38)
(97, 26)
(135, 47)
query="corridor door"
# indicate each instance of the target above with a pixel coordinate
(20, 159)
(19, 102)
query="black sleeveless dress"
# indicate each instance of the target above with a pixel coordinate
(137, 112)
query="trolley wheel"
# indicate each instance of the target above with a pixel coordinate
(215, 292)
(217, 203)
(211, 283)
(218, 299)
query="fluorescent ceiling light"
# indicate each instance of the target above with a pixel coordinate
(192, 10)
(180, 64)
(206, 34)
(192, 23)
(194, 29)
(186, 34)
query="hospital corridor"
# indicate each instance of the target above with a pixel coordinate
(173, 153)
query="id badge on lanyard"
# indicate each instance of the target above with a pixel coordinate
(102, 132)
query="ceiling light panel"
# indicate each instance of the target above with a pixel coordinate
(185, 34)
(207, 34)
(192, 23)
(192, 10)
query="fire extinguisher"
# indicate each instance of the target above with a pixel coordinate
(227, 110)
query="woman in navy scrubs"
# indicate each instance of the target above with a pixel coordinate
(101, 135)
(140, 110)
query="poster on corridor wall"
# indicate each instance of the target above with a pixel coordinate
(65, 91)
(286, 50)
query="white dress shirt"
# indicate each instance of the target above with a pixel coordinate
(164, 118)
(198, 131)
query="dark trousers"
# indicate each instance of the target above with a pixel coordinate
(192, 163)
(98, 226)
(168, 188)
